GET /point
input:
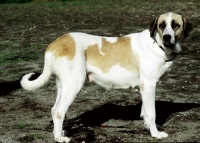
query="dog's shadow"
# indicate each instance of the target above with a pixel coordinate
(95, 117)
(7, 87)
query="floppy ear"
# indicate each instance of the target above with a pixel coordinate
(187, 29)
(153, 26)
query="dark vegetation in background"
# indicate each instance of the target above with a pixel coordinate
(25, 1)
(14, 1)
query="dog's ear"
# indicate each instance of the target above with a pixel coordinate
(187, 28)
(153, 26)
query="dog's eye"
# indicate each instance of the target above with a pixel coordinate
(175, 25)
(162, 25)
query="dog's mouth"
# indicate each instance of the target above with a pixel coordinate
(169, 45)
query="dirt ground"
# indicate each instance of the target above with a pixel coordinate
(27, 29)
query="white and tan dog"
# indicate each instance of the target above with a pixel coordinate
(138, 59)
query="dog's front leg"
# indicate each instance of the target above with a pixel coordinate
(147, 90)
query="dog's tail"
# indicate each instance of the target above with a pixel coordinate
(31, 85)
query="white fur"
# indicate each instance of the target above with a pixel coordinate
(168, 30)
(71, 75)
(117, 77)
(42, 80)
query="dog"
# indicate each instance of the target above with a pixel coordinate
(137, 59)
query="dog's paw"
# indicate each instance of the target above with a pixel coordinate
(62, 140)
(159, 135)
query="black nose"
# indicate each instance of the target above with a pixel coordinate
(167, 38)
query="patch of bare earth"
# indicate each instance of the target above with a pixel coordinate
(25, 32)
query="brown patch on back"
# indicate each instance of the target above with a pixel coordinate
(115, 53)
(63, 46)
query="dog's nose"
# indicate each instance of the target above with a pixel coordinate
(167, 38)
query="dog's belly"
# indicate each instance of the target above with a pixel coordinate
(116, 77)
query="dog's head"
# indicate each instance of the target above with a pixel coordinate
(171, 28)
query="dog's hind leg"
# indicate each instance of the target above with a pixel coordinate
(58, 84)
(69, 85)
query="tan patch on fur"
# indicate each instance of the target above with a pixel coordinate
(115, 53)
(178, 20)
(63, 46)
(142, 86)
(162, 18)
(58, 115)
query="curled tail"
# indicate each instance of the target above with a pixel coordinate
(42, 79)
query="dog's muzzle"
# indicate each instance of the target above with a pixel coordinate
(167, 41)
